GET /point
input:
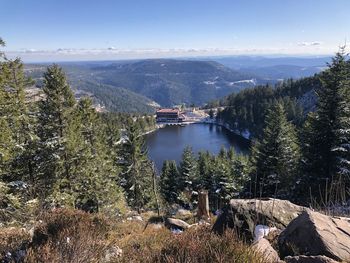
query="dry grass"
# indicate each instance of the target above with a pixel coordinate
(196, 245)
(12, 239)
(69, 236)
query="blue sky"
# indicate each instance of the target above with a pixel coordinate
(100, 29)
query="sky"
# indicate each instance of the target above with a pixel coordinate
(63, 30)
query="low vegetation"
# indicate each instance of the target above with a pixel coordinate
(65, 235)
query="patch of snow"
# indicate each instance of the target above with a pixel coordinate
(176, 231)
(208, 82)
(246, 134)
(261, 231)
(248, 81)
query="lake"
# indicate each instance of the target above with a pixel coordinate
(169, 142)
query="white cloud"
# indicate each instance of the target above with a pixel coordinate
(113, 53)
(308, 44)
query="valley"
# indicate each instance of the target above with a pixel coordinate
(142, 86)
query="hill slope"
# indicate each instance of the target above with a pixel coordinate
(170, 82)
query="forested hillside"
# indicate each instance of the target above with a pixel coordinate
(141, 86)
(247, 109)
(82, 81)
(171, 82)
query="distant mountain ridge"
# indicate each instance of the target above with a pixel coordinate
(170, 82)
(143, 85)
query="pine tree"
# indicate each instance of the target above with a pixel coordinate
(342, 131)
(168, 182)
(231, 154)
(137, 171)
(275, 157)
(204, 170)
(188, 181)
(240, 173)
(14, 137)
(188, 170)
(16, 128)
(223, 177)
(325, 135)
(22, 124)
(94, 176)
(55, 120)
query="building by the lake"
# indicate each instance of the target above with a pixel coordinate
(169, 115)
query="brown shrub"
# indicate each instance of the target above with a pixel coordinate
(201, 245)
(197, 245)
(69, 236)
(12, 239)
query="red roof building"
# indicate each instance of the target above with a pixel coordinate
(169, 115)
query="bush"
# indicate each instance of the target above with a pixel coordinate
(201, 245)
(69, 236)
(12, 239)
(198, 245)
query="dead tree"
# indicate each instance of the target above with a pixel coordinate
(203, 206)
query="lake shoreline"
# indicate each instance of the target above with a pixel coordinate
(225, 125)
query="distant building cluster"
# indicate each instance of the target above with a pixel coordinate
(169, 115)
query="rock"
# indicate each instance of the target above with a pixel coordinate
(264, 248)
(135, 218)
(314, 234)
(309, 259)
(156, 226)
(183, 212)
(112, 253)
(245, 214)
(173, 223)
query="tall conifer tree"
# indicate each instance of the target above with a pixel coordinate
(326, 134)
(276, 155)
(136, 169)
(55, 120)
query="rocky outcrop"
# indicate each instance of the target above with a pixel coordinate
(173, 223)
(309, 259)
(315, 234)
(264, 247)
(245, 214)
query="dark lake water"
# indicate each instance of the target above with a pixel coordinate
(168, 143)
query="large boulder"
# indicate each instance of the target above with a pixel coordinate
(309, 259)
(313, 234)
(244, 214)
(264, 247)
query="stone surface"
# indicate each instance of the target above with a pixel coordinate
(173, 223)
(264, 247)
(309, 259)
(135, 218)
(245, 214)
(183, 212)
(112, 254)
(313, 233)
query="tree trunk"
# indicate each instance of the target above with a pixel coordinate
(203, 206)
